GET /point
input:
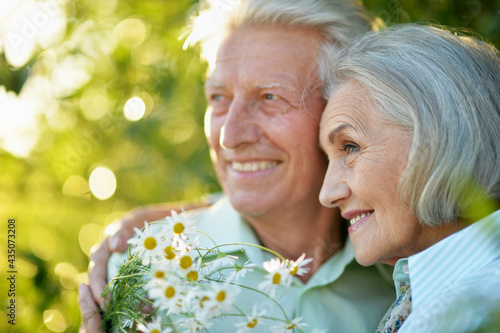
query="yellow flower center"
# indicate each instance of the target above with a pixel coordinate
(221, 296)
(159, 274)
(170, 292)
(289, 327)
(193, 276)
(294, 270)
(169, 252)
(252, 323)
(186, 262)
(154, 330)
(150, 243)
(179, 228)
(276, 278)
(205, 298)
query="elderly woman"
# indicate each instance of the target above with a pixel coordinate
(412, 133)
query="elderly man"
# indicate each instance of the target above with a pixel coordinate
(265, 101)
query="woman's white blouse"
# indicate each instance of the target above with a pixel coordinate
(456, 283)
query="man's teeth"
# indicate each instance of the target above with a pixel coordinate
(252, 166)
(359, 217)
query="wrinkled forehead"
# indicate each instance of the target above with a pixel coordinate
(288, 50)
(348, 103)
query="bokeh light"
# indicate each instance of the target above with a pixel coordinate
(134, 109)
(27, 24)
(76, 186)
(130, 32)
(54, 320)
(95, 104)
(18, 123)
(102, 183)
(88, 236)
(68, 275)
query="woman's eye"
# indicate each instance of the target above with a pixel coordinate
(349, 148)
(216, 97)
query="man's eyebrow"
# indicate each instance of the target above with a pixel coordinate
(214, 84)
(272, 85)
(336, 131)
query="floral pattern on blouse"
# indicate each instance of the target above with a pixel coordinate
(396, 315)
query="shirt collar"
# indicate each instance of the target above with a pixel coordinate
(333, 267)
(453, 258)
(401, 276)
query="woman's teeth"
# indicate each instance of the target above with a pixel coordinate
(359, 217)
(252, 166)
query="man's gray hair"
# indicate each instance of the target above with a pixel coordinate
(339, 21)
(445, 90)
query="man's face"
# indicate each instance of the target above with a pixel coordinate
(262, 122)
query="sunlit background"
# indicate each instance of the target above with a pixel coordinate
(101, 110)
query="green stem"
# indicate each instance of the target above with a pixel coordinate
(256, 246)
(262, 293)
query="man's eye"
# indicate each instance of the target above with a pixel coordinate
(216, 97)
(270, 96)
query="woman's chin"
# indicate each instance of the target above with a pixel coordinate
(364, 260)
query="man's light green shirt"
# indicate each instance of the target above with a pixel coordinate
(342, 296)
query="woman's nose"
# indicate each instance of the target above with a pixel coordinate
(335, 190)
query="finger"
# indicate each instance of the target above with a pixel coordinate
(118, 241)
(91, 318)
(98, 271)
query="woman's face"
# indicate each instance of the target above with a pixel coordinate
(366, 161)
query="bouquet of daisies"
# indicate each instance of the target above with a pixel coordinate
(170, 283)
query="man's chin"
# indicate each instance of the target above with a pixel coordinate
(250, 205)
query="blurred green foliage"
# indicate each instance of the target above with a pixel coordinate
(107, 53)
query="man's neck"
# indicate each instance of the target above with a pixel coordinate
(316, 232)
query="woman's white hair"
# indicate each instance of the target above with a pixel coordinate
(445, 90)
(338, 20)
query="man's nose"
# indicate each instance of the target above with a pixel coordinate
(240, 126)
(335, 191)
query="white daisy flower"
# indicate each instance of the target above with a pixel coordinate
(221, 296)
(181, 226)
(241, 271)
(154, 327)
(297, 266)
(193, 325)
(212, 269)
(197, 302)
(222, 260)
(147, 243)
(169, 252)
(168, 295)
(289, 327)
(187, 262)
(278, 275)
(160, 270)
(192, 274)
(252, 320)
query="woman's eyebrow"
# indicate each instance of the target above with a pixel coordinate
(336, 131)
